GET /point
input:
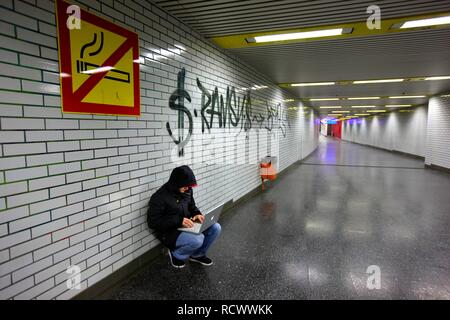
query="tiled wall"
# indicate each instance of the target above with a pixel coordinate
(400, 131)
(74, 188)
(438, 134)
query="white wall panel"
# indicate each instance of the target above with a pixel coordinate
(438, 137)
(398, 131)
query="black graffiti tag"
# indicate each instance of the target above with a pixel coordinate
(180, 94)
(231, 109)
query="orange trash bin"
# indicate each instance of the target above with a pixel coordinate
(267, 170)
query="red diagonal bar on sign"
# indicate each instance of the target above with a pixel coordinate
(94, 79)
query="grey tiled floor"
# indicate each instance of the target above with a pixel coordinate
(313, 233)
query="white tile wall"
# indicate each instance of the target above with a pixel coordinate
(74, 188)
(438, 134)
(404, 132)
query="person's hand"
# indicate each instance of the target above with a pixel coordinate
(200, 218)
(187, 223)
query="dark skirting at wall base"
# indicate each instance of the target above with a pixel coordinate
(105, 287)
(308, 156)
(439, 168)
(415, 156)
(409, 155)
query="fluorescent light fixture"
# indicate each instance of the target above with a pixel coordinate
(289, 100)
(445, 96)
(426, 22)
(308, 84)
(324, 99)
(364, 98)
(398, 105)
(298, 35)
(362, 114)
(340, 111)
(335, 114)
(330, 107)
(98, 70)
(438, 78)
(406, 97)
(363, 107)
(376, 110)
(377, 81)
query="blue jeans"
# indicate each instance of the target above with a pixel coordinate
(195, 245)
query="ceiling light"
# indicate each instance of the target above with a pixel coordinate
(340, 111)
(377, 81)
(355, 82)
(406, 97)
(376, 110)
(307, 84)
(362, 114)
(299, 35)
(364, 98)
(289, 100)
(330, 107)
(426, 22)
(363, 106)
(324, 99)
(398, 105)
(438, 78)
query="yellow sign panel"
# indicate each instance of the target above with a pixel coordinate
(99, 66)
(117, 85)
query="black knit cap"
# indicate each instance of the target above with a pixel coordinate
(182, 177)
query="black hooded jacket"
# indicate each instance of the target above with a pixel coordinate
(168, 206)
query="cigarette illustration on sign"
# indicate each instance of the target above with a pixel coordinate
(99, 65)
(90, 68)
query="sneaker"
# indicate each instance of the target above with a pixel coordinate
(176, 263)
(202, 260)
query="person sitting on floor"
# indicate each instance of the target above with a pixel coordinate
(171, 207)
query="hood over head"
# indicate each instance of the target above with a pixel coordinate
(182, 177)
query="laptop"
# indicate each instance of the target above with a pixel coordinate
(210, 218)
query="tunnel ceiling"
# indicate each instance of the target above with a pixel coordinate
(415, 53)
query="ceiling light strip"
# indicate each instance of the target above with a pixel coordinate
(297, 35)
